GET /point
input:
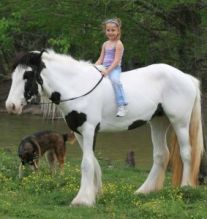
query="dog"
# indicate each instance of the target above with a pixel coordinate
(49, 143)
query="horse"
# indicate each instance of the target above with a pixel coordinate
(159, 94)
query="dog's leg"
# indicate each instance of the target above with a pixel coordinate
(61, 159)
(21, 171)
(51, 158)
(36, 165)
(60, 154)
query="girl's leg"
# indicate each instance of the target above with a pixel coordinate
(114, 76)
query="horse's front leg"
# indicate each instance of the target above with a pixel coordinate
(88, 188)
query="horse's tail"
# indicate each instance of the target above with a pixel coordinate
(196, 141)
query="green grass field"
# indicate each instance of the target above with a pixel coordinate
(42, 196)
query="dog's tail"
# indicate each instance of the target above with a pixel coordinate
(70, 137)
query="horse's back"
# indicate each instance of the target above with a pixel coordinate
(163, 84)
(157, 76)
(154, 71)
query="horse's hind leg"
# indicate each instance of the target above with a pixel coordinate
(182, 133)
(155, 179)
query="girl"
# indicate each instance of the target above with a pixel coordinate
(110, 58)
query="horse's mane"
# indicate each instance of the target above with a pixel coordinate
(51, 55)
(30, 58)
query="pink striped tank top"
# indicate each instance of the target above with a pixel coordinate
(109, 57)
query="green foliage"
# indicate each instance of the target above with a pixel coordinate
(60, 44)
(5, 39)
(172, 32)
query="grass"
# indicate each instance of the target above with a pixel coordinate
(42, 196)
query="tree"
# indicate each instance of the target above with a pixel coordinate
(172, 32)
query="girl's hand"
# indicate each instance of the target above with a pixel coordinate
(104, 72)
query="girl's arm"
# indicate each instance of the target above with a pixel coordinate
(117, 58)
(101, 57)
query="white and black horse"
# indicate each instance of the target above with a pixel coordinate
(159, 94)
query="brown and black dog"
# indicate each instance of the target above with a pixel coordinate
(50, 143)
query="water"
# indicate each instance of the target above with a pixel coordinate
(109, 146)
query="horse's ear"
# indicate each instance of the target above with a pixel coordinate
(42, 51)
(38, 57)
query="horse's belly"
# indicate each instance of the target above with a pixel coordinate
(120, 125)
(136, 115)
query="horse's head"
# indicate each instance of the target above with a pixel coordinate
(26, 81)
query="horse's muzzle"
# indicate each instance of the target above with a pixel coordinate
(14, 108)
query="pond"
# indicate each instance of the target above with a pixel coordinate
(109, 146)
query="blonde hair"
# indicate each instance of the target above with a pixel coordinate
(115, 21)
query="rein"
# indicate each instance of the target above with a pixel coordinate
(74, 98)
